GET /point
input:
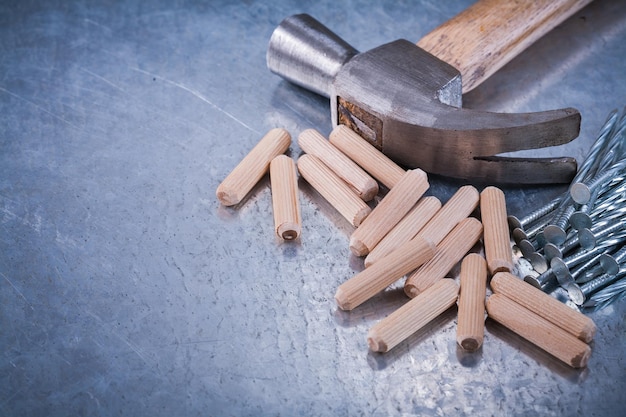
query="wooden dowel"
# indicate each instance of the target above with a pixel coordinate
(252, 167)
(544, 305)
(412, 316)
(333, 189)
(383, 273)
(313, 143)
(497, 239)
(406, 229)
(366, 156)
(538, 331)
(457, 208)
(447, 254)
(470, 328)
(391, 209)
(285, 202)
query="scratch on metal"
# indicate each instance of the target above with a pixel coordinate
(17, 290)
(103, 79)
(56, 116)
(197, 95)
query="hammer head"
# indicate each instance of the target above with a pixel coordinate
(407, 103)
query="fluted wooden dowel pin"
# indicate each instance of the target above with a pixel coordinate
(285, 201)
(497, 239)
(406, 229)
(470, 328)
(458, 207)
(544, 305)
(252, 167)
(447, 254)
(313, 143)
(389, 211)
(366, 156)
(383, 273)
(333, 189)
(538, 331)
(412, 316)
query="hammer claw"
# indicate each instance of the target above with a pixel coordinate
(523, 170)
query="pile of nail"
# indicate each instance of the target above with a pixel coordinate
(576, 243)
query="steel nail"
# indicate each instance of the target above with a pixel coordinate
(581, 192)
(542, 279)
(526, 247)
(550, 251)
(538, 261)
(597, 147)
(589, 275)
(555, 231)
(607, 295)
(601, 282)
(534, 216)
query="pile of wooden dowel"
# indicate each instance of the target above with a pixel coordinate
(408, 234)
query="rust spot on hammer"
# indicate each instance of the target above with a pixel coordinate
(361, 121)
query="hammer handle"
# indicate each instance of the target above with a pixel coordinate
(484, 37)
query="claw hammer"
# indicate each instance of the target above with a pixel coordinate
(406, 98)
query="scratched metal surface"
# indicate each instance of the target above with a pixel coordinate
(125, 289)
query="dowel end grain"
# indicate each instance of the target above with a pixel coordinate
(357, 247)
(226, 197)
(360, 215)
(500, 265)
(376, 344)
(411, 290)
(370, 190)
(588, 331)
(289, 231)
(470, 344)
(343, 301)
(581, 360)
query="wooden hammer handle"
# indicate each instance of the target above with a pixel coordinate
(484, 37)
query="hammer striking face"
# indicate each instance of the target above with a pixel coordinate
(407, 103)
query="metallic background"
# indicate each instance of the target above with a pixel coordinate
(126, 289)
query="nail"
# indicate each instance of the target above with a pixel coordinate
(597, 147)
(534, 216)
(581, 219)
(607, 295)
(526, 247)
(561, 271)
(545, 278)
(581, 191)
(609, 264)
(566, 280)
(550, 251)
(587, 270)
(555, 232)
(518, 235)
(610, 197)
(589, 274)
(583, 255)
(533, 231)
(601, 282)
(538, 261)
